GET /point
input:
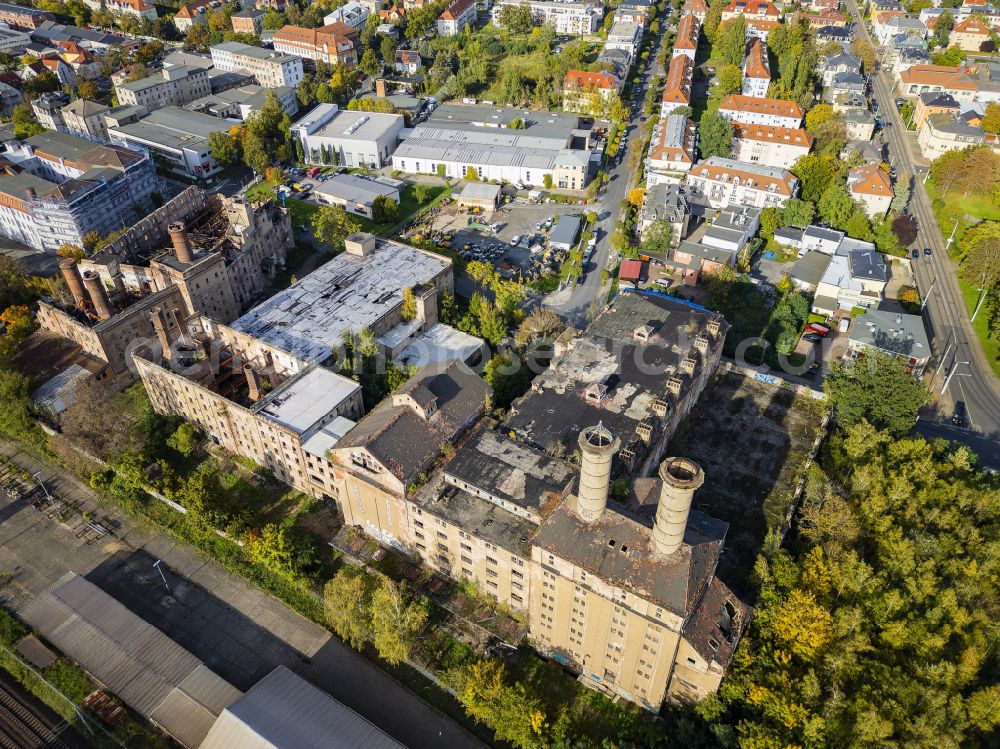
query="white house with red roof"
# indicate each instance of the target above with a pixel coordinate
(454, 19)
(870, 185)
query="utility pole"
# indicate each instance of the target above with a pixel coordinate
(156, 564)
(951, 236)
(947, 380)
(927, 295)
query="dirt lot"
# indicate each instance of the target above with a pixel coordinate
(752, 439)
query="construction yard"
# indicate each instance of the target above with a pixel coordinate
(753, 439)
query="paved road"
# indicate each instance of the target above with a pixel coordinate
(575, 309)
(240, 632)
(945, 314)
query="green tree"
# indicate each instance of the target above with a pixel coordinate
(858, 226)
(409, 309)
(657, 239)
(991, 118)
(332, 225)
(273, 20)
(715, 135)
(981, 255)
(347, 604)
(729, 80)
(876, 388)
(731, 43)
(618, 111)
(369, 64)
(942, 29)
(224, 148)
(770, 221)
(16, 418)
(489, 320)
(385, 210)
(489, 697)
(396, 621)
(387, 48)
(817, 174)
(272, 548)
(185, 439)
(25, 124)
(508, 377)
(836, 207)
(517, 18)
(797, 212)
(866, 52)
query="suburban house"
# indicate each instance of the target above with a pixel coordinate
(756, 69)
(759, 111)
(859, 123)
(887, 27)
(407, 61)
(456, 17)
(770, 145)
(677, 87)
(841, 62)
(967, 83)
(697, 8)
(871, 186)
(931, 103)
(665, 201)
(852, 278)
(948, 132)
(894, 333)
(192, 14)
(352, 13)
(717, 182)
(589, 93)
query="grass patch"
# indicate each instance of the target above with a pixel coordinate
(991, 346)
(957, 207)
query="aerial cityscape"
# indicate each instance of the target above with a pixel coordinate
(547, 374)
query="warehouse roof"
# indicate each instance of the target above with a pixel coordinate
(346, 294)
(176, 128)
(153, 674)
(283, 711)
(356, 189)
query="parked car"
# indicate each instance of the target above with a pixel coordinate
(927, 251)
(815, 327)
(915, 254)
(813, 337)
(845, 324)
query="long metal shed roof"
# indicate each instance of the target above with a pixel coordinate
(150, 672)
(283, 711)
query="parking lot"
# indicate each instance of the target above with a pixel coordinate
(517, 243)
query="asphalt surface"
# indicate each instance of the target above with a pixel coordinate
(574, 310)
(954, 343)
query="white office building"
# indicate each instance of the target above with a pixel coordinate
(330, 135)
(576, 17)
(270, 68)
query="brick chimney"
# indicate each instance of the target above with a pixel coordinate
(98, 294)
(597, 451)
(680, 477)
(72, 275)
(181, 241)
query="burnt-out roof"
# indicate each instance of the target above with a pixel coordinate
(717, 623)
(510, 471)
(618, 549)
(631, 374)
(404, 441)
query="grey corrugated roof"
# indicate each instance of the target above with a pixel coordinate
(566, 231)
(283, 711)
(149, 671)
(893, 332)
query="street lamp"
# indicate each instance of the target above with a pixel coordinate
(947, 380)
(41, 483)
(951, 236)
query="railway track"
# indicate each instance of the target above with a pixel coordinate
(22, 729)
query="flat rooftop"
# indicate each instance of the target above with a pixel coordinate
(175, 128)
(348, 125)
(355, 188)
(893, 332)
(442, 343)
(308, 320)
(305, 400)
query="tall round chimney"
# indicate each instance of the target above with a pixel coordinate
(182, 244)
(597, 450)
(98, 295)
(72, 275)
(681, 477)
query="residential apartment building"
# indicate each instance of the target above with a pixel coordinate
(895, 334)
(760, 10)
(945, 132)
(84, 117)
(48, 110)
(351, 13)
(853, 278)
(697, 8)
(457, 17)
(929, 104)
(666, 202)
(688, 34)
(333, 44)
(270, 68)
(672, 149)
(870, 185)
(677, 86)
(248, 21)
(967, 83)
(169, 87)
(841, 62)
(589, 93)
(194, 14)
(756, 70)
(60, 187)
(761, 111)
(24, 17)
(971, 33)
(136, 8)
(625, 36)
(890, 26)
(551, 147)
(407, 61)
(330, 135)
(577, 18)
(717, 182)
(770, 145)
(14, 41)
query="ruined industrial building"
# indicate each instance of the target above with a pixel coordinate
(199, 254)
